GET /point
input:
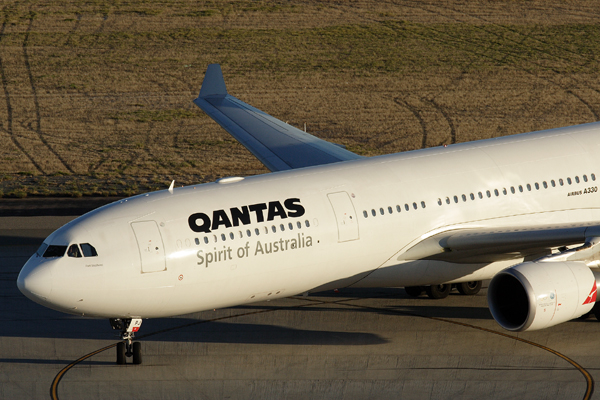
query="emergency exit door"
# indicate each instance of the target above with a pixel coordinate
(345, 216)
(150, 244)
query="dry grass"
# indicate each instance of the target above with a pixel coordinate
(96, 99)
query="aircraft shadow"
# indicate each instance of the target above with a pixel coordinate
(248, 333)
(20, 317)
(53, 325)
(50, 362)
(401, 310)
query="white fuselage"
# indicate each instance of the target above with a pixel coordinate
(348, 223)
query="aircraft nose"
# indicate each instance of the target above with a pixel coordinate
(35, 281)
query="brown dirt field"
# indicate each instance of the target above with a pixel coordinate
(97, 99)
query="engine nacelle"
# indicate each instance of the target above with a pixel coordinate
(537, 295)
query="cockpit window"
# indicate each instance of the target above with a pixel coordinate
(41, 250)
(55, 251)
(88, 250)
(74, 251)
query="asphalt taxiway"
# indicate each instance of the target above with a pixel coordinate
(350, 344)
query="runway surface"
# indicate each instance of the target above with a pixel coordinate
(351, 344)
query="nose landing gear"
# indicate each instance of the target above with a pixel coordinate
(128, 348)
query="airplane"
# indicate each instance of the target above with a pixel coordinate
(521, 210)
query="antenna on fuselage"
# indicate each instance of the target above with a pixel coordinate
(171, 187)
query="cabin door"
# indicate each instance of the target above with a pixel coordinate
(345, 216)
(150, 244)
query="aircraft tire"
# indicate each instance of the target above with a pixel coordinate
(469, 288)
(137, 353)
(438, 291)
(121, 353)
(414, 291)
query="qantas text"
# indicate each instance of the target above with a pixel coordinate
(200, 222)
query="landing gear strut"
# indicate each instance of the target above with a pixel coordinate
(128, 348)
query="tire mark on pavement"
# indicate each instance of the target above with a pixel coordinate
(38, 118)
(504, 55)
(9, 108)
(417, 114)
(62, 372)
(446, 117)
(349, 302)
(514, 53)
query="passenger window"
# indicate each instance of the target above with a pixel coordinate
(282, 227)
(423, 204)
(488, 193)
(472, 196)
(307, 223)
(291, 226)
(365, 214)
(223, 238)
(196, 240)
(89, 251)
(55, 251)
(406, 207)
(577, 179)
(569, 181)
(480, 195)
(456, 199)
(545, 185)
(74, 251)
(560, 181)
(381, 211)
(512, 189)
(585, 178)
(447, 200)
(241, 235)
(553, 183)
(299, 224)
(257, 231)
(248, 232)
(415, 206)
(521, 188)
(215, 238)
(205, 240)
(390, 210)
(504, 192)
(529, 187)
(273, 228)
(439, 201)
(496, 192)
(373, 212)
(537, 186)
(593, 177)
(398, 208)
(464, 198)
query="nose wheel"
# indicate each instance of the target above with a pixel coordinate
(128, 348)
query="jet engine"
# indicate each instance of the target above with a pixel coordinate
(537, 295)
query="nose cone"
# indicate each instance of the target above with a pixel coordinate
(35, 280)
